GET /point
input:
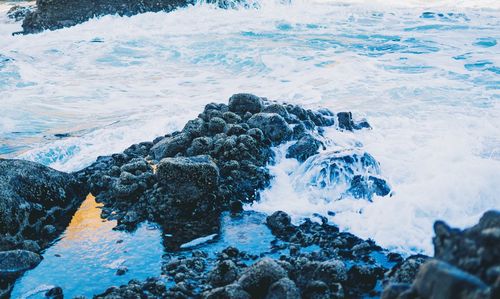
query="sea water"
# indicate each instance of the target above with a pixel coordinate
(425, 74)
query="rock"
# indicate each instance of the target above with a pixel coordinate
(121, 270)
(55, 14)
(304, 148)
(278, 109)
(333, 170)
(438, 279)
(331, 272)
(317, 290)
(367, 186)
(18, 12)
(346, 122)
(394, 290)
(405, 271)
(198, 175)
(243, 102)
(15, 262)
(283, 289)
(473, 250)
(231, 117)
(279, 223)
(216, 125)
(195, 128)
(225, 273)
(170, 146)
(232, 291)
(55, 293)
(272, 125)
(200, 146)
(32, 197)
(364, 276)
(257, 278)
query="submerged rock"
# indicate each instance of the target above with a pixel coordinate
(304, 148)
(342, 173)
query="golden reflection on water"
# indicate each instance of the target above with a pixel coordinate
(87, 221)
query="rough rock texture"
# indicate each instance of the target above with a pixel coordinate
(36, 204)
(466, 264)
(55, 14)
(315, 261)
(237, 139)
(15, 262)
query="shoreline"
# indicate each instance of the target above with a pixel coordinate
(216, 163)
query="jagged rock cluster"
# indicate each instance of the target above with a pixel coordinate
(341, 266)
(344, 266)
(217, 162)
(466, 264)
(36, 204)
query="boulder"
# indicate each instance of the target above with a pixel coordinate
(189, 177)
(225, 273)
(437, 279)
(257, 278)
(272, 125)
(280, 223)
(304, 148)
(284, 288)
(35, 197)
(243, 102)
(170, 146)
(405, 271)
(15, 262)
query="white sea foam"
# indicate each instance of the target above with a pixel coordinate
(424, 73)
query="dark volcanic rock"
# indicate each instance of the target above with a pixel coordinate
(438, 279)
(36, 203)
(19, 12)
(257, 279)
(347, 123)
(406, 271)
(304, 148)
(55, 14)
(466, 264)
(15, 262)
(242, 103)
(283, 289)
(272, 125)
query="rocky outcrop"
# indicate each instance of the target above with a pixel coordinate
(465, 265)
(217, 162)
(55, 14)
(36, 204)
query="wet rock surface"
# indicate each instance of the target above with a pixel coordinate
(216, 163)
(465, 264)
(55, 14)
(36, 204)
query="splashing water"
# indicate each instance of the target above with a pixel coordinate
(424, 73)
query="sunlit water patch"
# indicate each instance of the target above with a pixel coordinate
(424, 73)
(85, 260)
